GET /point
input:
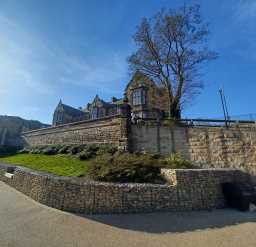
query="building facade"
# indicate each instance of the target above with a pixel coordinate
(145, 97)
(64, 114)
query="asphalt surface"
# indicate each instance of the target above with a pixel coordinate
(26, 223)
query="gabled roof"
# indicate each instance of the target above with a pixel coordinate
(138, 76)
(118, 102)
(69, 109)
(99, 102)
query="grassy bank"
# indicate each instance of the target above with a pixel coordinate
(62, 165)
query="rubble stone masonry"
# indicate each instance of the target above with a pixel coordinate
(187, 190)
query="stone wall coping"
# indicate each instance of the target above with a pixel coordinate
(168, 123)
(203, 169)
(214, 128)
(74, 180)
(73, 124)
(53, 130)
(77, 181)
(144, 122)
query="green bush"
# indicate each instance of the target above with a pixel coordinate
(86, 152)
(50, 150)
(106, 148)
(85, 155)
(24, 151)
(82, 151)
(74, 149)
(93, 150)
(63, 149)
(175, 161)
(35, 151)
(125, 168)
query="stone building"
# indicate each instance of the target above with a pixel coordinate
(146, 98)
(99, 108)
(66, 114)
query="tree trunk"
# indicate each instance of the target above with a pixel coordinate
(174, 106)
(175, 111)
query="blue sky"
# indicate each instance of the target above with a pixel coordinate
(75, 49)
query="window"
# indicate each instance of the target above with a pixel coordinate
(138, 97)
(101, 112)
(59, 117)
(94, 113)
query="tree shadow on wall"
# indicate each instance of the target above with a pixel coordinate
(177, 222)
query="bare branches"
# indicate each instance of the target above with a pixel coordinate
(171, 49)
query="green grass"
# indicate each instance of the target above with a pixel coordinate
(62, 165)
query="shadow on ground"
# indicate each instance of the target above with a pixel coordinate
(175, 222)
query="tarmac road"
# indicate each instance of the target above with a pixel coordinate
(26, 223)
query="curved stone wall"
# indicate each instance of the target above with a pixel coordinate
(188, 190)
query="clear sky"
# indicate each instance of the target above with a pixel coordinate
(75, 49)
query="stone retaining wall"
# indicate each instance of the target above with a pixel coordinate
(216, 147)
(234, 147)
(188, 190)
(111, 130)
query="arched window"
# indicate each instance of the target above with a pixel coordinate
(139, 96)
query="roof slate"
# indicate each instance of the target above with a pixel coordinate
(71, 110)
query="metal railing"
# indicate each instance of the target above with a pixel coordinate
(216, 122)
(204, 122)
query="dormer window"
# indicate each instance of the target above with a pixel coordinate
(138, 96)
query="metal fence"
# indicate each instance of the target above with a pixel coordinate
(217, 122)
(246, 120)
(241, 117)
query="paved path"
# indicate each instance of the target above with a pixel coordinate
(25, 223)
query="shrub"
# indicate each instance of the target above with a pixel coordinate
(175, 161)
(63, 149)
(24, 151)
(73, 149)
(90, 151)
(35, 151)
(50, 150)
(125, 168)
(106, 148)
(84, 155)
(93, 148)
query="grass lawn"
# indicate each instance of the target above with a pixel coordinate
(62, 165)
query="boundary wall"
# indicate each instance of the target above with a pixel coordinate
(187, 190)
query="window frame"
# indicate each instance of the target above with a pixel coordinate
(138, 96)
(94, 114)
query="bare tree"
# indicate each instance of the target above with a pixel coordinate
(171, 47)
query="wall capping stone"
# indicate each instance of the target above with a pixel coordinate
(73, 124)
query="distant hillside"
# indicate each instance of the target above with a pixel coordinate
(11, 128)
